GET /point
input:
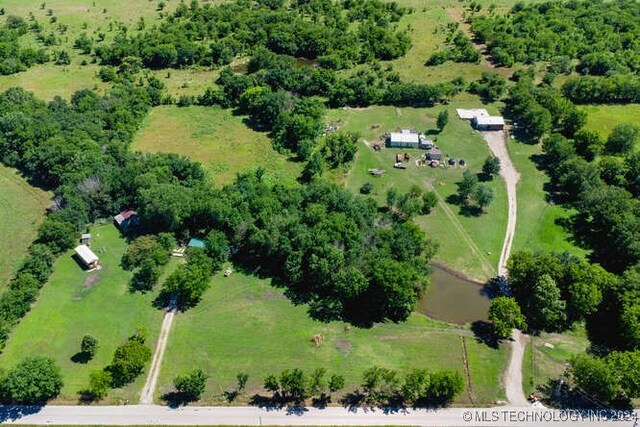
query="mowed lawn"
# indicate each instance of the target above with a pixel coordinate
(538, 221)
(216, 138)
(547, 355)
(74, 303)
(469, 244)
(22, 209)
(245, 325)
(603, 118)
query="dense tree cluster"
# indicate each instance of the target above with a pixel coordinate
(15, 56)
(337, 34)
(554, 290)
(145, 255)
(615, 89)
(328, 247)
(33, 381)
(189, 281)
(613, 379)
(602, 35)
(538, 110)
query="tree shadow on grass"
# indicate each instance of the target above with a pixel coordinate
(15, 412)
(465, 208)
(484, 333)
(81, 357)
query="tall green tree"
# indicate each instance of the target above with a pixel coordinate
(505, 315)
(33, 381)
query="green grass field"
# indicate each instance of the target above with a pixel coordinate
(468, 244)
(216, 138)
(22, 209)
(537, 227)
(547, 355)
(603, 118)
(74, 303)
(245, 325)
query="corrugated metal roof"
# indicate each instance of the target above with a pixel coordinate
(490, 120)
(404, 137)
(86, 254)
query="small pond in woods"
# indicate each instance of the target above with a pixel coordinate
(453, 299)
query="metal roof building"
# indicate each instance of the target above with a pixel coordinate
(87, 256)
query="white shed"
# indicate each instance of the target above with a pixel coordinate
(87, 256)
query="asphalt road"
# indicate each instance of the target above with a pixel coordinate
(161, 415)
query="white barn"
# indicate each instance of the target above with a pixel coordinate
(407, 138)
(488, 122)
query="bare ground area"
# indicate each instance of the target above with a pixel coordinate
(496, 141)
(513, 374)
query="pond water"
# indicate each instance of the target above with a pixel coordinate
(452, 299)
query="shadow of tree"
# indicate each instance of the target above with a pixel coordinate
(484, 333)
(81, 357)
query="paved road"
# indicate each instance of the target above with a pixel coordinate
(154, 415)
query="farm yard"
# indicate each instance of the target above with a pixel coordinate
(468, 243)
(251, 319)
(75, 303)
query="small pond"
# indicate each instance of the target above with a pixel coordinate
(452, 299)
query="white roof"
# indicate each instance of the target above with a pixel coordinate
(86, 236)
(468, 114)
(86, 254)
(404, 137)
(489, 120)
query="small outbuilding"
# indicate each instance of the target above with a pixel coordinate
(488, 122)
(85, 239)
(127, 218)
(197, 243)
(86, 255)
(434, 154)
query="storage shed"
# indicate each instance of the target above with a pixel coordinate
(404, 139)
(488, 122)
(87, 256)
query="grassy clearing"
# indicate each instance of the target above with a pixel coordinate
(74, 303)
(459, 141)
(546, 356)
(537, 227)
(603, 118)
(48, 80)
(245, 325)
(21, 213)
(216, 138)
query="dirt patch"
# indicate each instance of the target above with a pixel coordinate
(91, 281)
(344, 346)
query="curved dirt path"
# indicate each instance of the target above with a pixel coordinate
(146, 396)
(513, 374)
(496, 141)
